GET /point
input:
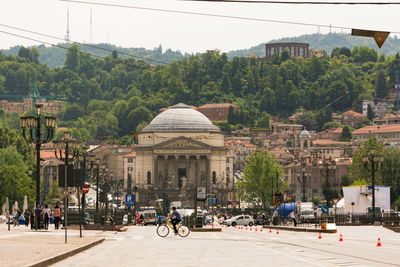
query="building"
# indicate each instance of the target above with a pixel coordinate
(52, 107)
(217, 112)
(129, 163)
(294, 49)
(379, 106)
(387, 119)
(317, 53)
(386, 134)
(240, 151)
(352, 118)
(332, 134)
(177, 152)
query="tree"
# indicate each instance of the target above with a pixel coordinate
(231, 116)
(381, 87)
(263, 121)
(73, 60)
(256, 183)
(346, 135)
(370, 113)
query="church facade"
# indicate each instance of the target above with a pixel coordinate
(177, 152)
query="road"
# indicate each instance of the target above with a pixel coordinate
(140, 246)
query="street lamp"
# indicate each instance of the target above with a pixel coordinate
(372, 163)
(32, 124)
(94, 161)
(327, 168)
(303, 181)
(60, 145)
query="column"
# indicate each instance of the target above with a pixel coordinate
(208, 171)
(187, 172)
(157, 182)
(165, 171)
(197, 170)
(175, 182)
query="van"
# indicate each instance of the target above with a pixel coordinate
(150, 217)
(176, 204)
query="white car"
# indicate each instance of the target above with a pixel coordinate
(240, 220)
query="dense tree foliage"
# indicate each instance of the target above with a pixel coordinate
(115, 96)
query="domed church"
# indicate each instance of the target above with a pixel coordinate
(177, 152)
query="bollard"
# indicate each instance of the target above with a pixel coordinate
(8, 223)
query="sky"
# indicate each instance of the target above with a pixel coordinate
(127, 27)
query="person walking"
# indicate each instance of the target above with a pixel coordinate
(27, 216)
(38, 216)
(32, 220)
(16, 215)
(57, 217)
(46, 217)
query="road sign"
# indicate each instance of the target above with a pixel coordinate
(324, 209)
(85, 189)
(130, 200)
(66, 193)
(234, 204)
(335, 201)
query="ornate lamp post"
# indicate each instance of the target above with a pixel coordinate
(32, 124)
(372, 163)
(303, 181)
(95, 162)
(60, 145)
(327, 168)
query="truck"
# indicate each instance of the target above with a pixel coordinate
(306, 211)
(358, 199)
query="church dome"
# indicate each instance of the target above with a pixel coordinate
(305, 134)
(181, 118)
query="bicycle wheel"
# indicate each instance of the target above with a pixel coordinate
(163, 230)
(183, 231)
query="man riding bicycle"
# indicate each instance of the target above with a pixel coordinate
(175, 219)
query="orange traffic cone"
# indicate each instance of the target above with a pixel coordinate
(261, 229)
(277, 231)
(235, 227)
(319, 236)
(255, 229)
(270, 231)
(341, 239)
(251, 229)
(379, 243)
(246, 227)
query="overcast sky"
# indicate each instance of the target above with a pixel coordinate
(187, 33)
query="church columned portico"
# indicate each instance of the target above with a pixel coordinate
(179, 150)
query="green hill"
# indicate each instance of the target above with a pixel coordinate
(325, 42)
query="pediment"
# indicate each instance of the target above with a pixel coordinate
(182, 143)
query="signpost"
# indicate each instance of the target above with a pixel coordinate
(335, 201)
(130, 200)
(85, 189)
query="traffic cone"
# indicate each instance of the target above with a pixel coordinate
(270, 231)
(235, 227)
(341, 239)
(251, 229)
(319, 236)
(261, 229)
(277, 231)
(379, 243)
(255, 229)
(246, 227)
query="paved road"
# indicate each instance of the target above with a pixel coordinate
(140, 246)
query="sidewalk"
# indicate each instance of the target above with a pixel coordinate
(23, 247)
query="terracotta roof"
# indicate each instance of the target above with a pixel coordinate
(378, 129)
(323, 142)
(130, 155)
(251, 145)
(218, 105)
(49, 154)
(353, 113)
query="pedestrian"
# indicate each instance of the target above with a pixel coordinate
(159, 219)
(137, 218)
(32, 220)
(16, 215)
(27, 215)
(56, 216)
(142, 219)
(38, 216)
(293, 217)
(46, 217)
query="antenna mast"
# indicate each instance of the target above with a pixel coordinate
(67, 37)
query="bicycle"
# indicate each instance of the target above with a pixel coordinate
(163, 229)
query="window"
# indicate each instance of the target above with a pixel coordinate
(130, 169)
(214, 177)
(148, 177)
(130, 160)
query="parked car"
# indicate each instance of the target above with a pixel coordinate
(240, 220)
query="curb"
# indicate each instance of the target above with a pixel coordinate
(300, 229)
(54, 259)
(206, 230)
